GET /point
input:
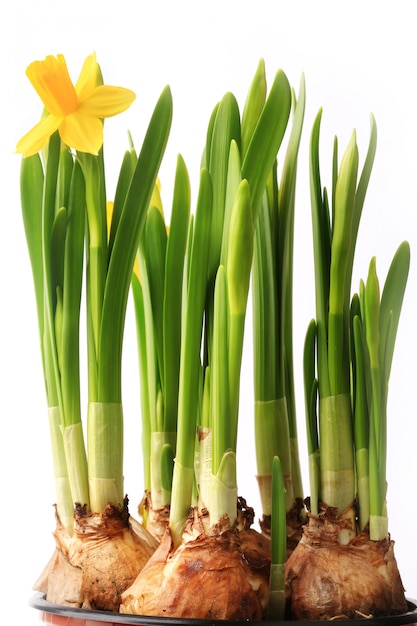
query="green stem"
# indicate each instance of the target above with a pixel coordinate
(105, 454)
(336, 452)
(194, 290)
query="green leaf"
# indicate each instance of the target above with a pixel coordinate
(192, 328)
(285, 253)
(226, 129)
(57, 250)
(391, 304)
(360, 412)
(31, 192)
(143, 374)
(125, 247)
(240, 249)
(220, 391)
(48, 215)
(192, 322)
(266, 139)
(73, 280)
(234, 179)
(167, 464)
(265, 311)
(309, 377)
(359, 201)
(66, 164)
(341, 246)
(321, 248)
(254, 104)
(156, 243)
(123, 182)
(278, 517)
(174, 271)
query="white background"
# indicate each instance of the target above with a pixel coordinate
(357, 57)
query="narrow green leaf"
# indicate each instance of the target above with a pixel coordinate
(240, 249)
(125, 246)
(266, 139)
(66, 164)
(205, 159)
(391, 304)
(57, 251)
(143, 376)
(286, 207)
(174, 271)
(321, 249)
(73, 279)
(265, 311)
(123, 182)
(234, 179)
(309, 377)
(31, 193)
(48, 216)
(220, 392)
(341, 245)
(156, 243)
(226, 129)
(255, 101)
(149, 340)
(278, 517)
(192, 328)
(360, 413)
(167, 465)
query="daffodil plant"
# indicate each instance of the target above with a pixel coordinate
(335, 229)
(238, 157)
(157, 285)
(350, 346)
(64, 208)
(275, 417)
(374, 323)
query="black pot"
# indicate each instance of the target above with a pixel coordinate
(65, 616)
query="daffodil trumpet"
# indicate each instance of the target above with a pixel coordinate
(347, 362)
(65, 213)
(208, 520)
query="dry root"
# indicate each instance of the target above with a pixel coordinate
(326, 580)
(218, 574)
(91, 568)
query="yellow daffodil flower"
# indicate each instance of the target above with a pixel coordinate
(76, 111)
(109, 216)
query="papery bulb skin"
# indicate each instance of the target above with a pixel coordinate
(326, 580)
(91, 568)
(220, 574)
(155, 520)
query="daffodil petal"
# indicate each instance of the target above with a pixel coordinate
(109, 215)
(106, 101)
(38, 136)
(87, 80)
(82, 132)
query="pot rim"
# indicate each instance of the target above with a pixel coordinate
(38, 601)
